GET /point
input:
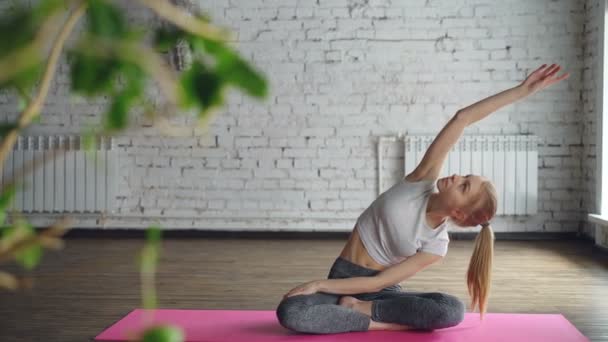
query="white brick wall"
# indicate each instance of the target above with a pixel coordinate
(342, 72)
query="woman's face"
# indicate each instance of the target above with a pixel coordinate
(458, 191)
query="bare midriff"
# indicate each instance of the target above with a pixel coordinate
(355, 252)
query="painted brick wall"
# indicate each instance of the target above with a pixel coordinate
(342, 73)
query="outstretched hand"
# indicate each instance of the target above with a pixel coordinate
(542, 78)
(304, 289)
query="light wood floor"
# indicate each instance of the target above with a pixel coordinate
(90, 284)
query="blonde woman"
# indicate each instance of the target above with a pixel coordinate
(404, 231)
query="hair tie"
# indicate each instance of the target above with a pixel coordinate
(485, 224)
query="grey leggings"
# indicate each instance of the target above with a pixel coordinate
(319, 313)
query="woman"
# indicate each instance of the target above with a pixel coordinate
(402, 232)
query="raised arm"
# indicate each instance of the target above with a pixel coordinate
(432, 162)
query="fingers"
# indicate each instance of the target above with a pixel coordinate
(552, 72)
(564, 76)
(548, 73)
(560, 78)
(539, 69)
(548, 70)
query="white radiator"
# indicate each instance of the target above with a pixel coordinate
(509, 161)
(73, 181)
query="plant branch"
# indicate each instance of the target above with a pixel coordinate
(34, 106)
(10, 282)
(47, 238)
(186, 21)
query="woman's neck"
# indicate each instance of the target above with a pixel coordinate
(434, 215)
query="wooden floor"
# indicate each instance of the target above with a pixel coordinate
(82, 289)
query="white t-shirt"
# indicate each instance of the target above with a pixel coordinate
(394, 226)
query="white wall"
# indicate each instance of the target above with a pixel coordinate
(591, 96)
(341, 73)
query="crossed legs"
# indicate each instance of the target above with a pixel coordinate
(324, 313)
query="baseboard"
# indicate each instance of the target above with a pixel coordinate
(600, 249)
(192, 233)
(196, 233)
(519, 236)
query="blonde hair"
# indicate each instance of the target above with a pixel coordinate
(479, 274)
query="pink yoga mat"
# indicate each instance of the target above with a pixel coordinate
(258, 326)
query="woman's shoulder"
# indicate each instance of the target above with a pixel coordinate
(419, 182)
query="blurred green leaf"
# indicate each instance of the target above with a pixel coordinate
(163, 333)
(200, 87)
(231, 67)
(128, 96)
(135, 79)
(29, 257)
(21, 104)
(6, 128)
(6, 198)
(166, 38)
(46, 8)
(105, 19)
(25, 78)
(89, 140)
(150, 251)
(36, 118)
(17, 28)
(117, 116)
(92, 75)
(154, 234)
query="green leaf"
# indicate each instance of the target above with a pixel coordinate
(201, 88)
(166, 38)
(231, 67)
(7, 196)
(89, 141)
(91, 75)
(117, 116)
(6, 128)
(135, 79)
(105, 19)
(154, 234)
(37, 118)
(150, 252)
(29, 257)
(239, 73)
(17, 28)
(46, 8)
(163, 333)
(25, 78)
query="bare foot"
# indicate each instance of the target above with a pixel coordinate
(348, 301)
(355, 304)
(366, 308)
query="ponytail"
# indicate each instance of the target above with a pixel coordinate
(479, 273)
